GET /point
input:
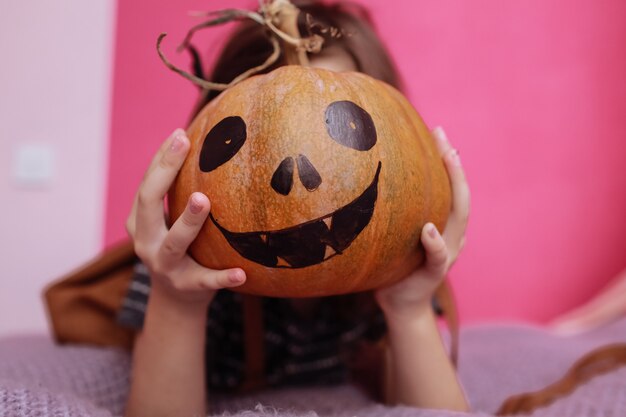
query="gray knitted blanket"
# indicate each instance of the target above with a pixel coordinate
(38, 378)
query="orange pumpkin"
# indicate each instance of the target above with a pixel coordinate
(320, 182)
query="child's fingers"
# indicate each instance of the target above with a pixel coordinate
(436, 250)
(183, 231)
(199, 278)
(132, 218)
(149, 219)
(165, 146)
(454, 233)
(452, 162)
(216, 280)
(458, 183)
(441, 139)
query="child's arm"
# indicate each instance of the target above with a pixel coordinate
(168, 375)
(420, 372)
(168, 372)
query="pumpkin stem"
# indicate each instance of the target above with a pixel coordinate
(279, 16)
(282, 19)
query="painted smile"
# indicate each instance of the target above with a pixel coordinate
(311, 242)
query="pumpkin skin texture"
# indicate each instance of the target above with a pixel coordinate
(319, 182)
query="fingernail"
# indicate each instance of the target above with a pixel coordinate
(177, 140)
(440, 134)
(432, 231)
(456, 159)
(195, 205)
(236, 276)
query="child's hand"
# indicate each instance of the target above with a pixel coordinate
(173, 273)
(413, 294)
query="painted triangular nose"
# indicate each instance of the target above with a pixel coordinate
(282, 179)
(309, 177)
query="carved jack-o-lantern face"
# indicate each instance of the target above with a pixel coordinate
(319, 182)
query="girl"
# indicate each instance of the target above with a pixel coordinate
(181, 351)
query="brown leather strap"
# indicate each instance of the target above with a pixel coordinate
(446, 301)
(597, 362)
(253, 343)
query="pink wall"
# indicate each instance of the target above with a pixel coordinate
(532, 92)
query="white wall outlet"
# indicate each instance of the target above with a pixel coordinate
(33, 165)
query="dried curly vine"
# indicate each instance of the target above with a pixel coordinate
(278, 16)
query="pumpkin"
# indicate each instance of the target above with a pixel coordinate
(319, 182)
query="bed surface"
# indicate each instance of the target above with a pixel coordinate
(39, 378)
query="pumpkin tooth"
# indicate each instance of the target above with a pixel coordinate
(329, 252)
(328, 221)
(282, 262)
(263, 237)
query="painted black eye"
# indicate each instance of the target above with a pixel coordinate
(222, 143)
(350, 125)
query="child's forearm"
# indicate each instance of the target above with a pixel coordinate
(168, 375)
(420, 372)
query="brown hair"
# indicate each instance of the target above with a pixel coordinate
(248, 46)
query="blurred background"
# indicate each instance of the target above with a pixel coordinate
(532, 92)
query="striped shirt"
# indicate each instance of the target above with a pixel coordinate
(298, 350)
